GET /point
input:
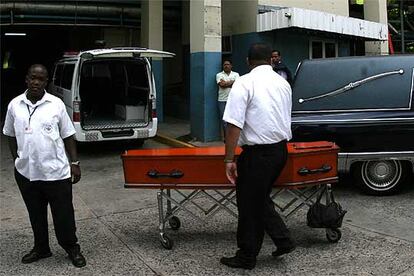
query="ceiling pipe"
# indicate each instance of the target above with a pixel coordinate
(65, 9)
(78, 9)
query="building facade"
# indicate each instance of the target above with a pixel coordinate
(200, 32)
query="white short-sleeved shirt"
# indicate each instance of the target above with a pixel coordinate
(260, 103)
(40, 148)
(223, 93)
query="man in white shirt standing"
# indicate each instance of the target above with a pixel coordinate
(258, 116)
(39, 132)
(225, 80)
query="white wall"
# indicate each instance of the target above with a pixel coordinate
(339, 7)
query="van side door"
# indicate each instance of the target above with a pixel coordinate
(67, 86)
(54, 87)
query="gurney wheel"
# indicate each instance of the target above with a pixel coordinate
(166, 242)
(333, 234)
(175, 223)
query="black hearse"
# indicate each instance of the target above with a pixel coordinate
(366, 106)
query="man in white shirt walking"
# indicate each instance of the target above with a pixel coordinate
(258, 116)
(39, 132)
(225, 80)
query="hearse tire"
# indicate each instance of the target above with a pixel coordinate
(381, 177)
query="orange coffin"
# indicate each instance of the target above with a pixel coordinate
(184, 167)
(203, 168)
(310, 162)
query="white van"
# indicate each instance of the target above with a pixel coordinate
(109, 93)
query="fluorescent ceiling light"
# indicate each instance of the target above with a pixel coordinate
(15, 34)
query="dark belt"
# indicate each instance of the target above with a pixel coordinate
(264, 146)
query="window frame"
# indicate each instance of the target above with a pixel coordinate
(226, 45)
(324, 42)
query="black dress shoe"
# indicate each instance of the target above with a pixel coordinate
(76, 257)
(34, 256)
(283, 250)
(237, 262)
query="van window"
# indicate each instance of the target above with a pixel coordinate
(67, 76)
(58, 75)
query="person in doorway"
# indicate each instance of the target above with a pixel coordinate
(279, 67)
(39, 132)
(225, 80)
(258, 116)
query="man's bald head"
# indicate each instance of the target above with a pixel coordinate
(36, 80)
(260, 52)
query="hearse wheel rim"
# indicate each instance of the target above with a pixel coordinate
(381, 175)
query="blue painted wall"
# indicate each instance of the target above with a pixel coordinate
(344, 48)
(293, 45)
(157, 69)
(199, 77)
(240, 46)
(203, 95)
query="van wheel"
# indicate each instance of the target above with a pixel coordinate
(381, 177)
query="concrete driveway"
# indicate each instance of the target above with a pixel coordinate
(117, 229)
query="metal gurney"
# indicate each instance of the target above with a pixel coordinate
(192, 180)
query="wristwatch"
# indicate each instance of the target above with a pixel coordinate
(76, 163)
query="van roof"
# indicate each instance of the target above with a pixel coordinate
(126, 52)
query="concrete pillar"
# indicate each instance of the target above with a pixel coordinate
(205, 63)
(152, 38)
(376, 10)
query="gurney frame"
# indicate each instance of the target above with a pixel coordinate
(174, 198)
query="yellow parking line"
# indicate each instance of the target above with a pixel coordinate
(164, 139)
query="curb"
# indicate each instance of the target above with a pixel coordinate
(164, 139)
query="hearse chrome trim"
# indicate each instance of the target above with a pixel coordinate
(346, 159)
(352, 110)
(412, 90)
(319, 120)
(351, 86)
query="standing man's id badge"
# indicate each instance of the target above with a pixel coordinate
(28, 130)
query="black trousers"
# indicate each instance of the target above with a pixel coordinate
(258, 167)
(37, 195)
